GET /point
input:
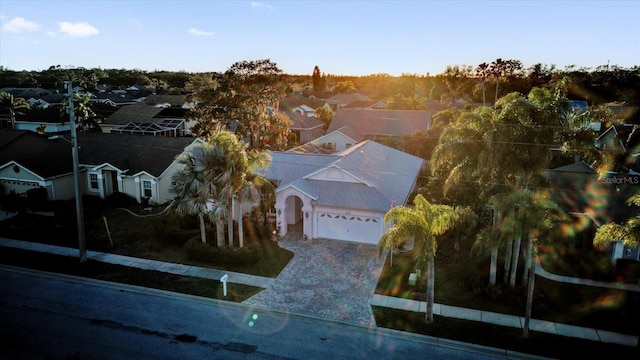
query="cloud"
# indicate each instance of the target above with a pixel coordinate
(77, 29)
(257, 4)
(194, 31)
(19, 24)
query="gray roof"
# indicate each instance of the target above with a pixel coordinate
(134, 153)
(387, 175)
(44, 157)
(301, 122)
(47, 157)
(138, 113)
(370, 123)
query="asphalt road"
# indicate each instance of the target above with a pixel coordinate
(46, 316)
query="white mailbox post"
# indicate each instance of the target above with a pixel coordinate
(224, 279)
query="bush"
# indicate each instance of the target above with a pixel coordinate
(207, 253)
(37, 198)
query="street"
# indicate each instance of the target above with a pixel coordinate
(46, 316)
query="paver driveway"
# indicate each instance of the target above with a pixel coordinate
(329, 279)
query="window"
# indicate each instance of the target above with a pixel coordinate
(93, 182)
(146, 188)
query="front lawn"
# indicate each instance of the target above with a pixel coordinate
(159, 237)
(462, 280)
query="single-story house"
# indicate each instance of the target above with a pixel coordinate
(302, 105)
(136, 165)
(341, 196)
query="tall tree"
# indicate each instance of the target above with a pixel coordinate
(482, 71)
(244, 100)
(423, 222)
(13, 104)
(505, 147)
(496, 69)
(316, 79)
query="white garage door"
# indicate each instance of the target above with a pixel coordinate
(364, 229)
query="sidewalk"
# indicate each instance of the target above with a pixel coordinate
(376, 300)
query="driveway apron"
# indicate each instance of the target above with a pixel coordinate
(328, 279)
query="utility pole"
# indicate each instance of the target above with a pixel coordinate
(82, 243)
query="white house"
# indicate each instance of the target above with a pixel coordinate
(341, 196)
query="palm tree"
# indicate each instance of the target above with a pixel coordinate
(83, 112)
(13, 104)
(190, 186)
(253, 185)
(423, 222)
(483, 72)
(496, 68)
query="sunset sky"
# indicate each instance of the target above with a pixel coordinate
(341, 37)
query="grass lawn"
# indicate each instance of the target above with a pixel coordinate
(461, 280)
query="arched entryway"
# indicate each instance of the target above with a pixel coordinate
(294, 216)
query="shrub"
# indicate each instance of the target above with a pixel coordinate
(37, 198)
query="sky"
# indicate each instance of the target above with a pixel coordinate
(340, 37)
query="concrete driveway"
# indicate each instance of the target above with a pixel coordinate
(328, 279)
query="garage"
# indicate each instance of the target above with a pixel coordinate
(365, 229)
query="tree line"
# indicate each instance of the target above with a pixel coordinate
(483, 83)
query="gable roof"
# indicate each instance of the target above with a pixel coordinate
(378, 175)
(371, 123)
(348, 98)
(35, 152)
(291, 102)
(301, 122)
(48, 157)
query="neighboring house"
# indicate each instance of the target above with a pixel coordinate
(26, 93)
(29, 160)
(381, 124)
(49, 119)
(304, 128)
(166, 101)
(623, 142)
(147, 120)
(139, 166)
(342, 196)
(341, 100)
(302, 105)
(579, 191)
(367, 105)
(330, 143)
